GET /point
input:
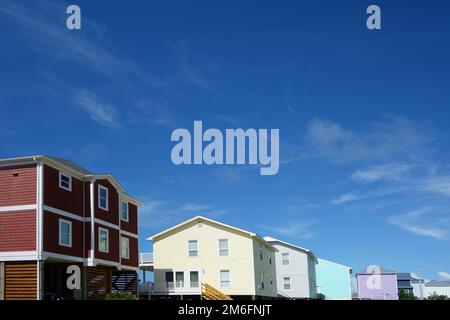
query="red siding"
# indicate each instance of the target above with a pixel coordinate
(131, 226)
(87, 199)
(113, 254)
(133, 261)
(18, 185)
(112, 215)
(18, 231)
(56, 197)
(51, 235)
(87, 237)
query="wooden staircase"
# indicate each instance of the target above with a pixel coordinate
(211, 293)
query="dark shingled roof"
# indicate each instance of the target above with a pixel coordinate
(434, 283)
(70, 164)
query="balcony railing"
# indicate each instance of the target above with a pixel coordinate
(183, 287)
(146, 258)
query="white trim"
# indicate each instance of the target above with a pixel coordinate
(129, 234)
(61, 221)
(107, 262)
(121, 247)
(40, 224)
(18, 256)
(19, 208)
(92, 218)
(61, 174)
(128, 210)
(100, 229)
(107, 197)
(47, 254)
(106, 224)
(64, 213)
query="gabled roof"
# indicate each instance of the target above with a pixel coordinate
(329, 261)
(434, 283)
(72, 169)
(287, 244)
(214, 222)
(382, 271)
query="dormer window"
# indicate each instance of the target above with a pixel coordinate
(65, 181)
(103, 197)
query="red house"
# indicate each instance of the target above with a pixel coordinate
(65, 233)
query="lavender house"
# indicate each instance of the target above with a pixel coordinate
(377, 283)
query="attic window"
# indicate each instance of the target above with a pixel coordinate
(200, 224)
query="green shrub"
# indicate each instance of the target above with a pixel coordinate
(120, 295)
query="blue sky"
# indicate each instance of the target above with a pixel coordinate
(363, 115)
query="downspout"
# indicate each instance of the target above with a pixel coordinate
(39, 224)
(92, 206)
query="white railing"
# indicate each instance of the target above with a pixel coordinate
(183, 287)
(146, 258)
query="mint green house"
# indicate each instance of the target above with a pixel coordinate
(333, 280)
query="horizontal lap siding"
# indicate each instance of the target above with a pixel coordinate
(56, 197)
(21, 281)
(131, 225)
(18, 185)
(98, 282)
(133, 261)
(113, 254)
(112, 215)
(18, 231)
(51, 235)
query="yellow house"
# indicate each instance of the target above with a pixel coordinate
(237, 262)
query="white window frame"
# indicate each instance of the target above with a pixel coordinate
(61, 221)
(61, 174)
(229, 278)
(284, 284)
(127, 240)
(100, 187)
(189, 249)
(107, 240)
(128, 210)
(228, 248)
(288, 259)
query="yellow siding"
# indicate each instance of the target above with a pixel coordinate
(171, 253)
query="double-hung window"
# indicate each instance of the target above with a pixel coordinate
(193, 248)
(124, 210)
(285, 258)
(65, 233)
(125, 247)
(224, 278)
(103, 240)
(103, 198)
(223, 247)
(287, 283)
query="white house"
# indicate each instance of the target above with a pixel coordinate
(439, 287)
(295, 267)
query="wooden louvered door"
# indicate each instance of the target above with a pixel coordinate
(98, 282)
(20, 281)
(2, 281)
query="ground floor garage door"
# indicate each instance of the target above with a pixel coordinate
(20, 281)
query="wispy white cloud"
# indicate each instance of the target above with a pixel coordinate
(101, 112)
(295, 229)
(427, 221)
(155, 213)
(345, 198)
(438, 185)
(396, 136)
(444, 275)
(393, 171)
(192, 66)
